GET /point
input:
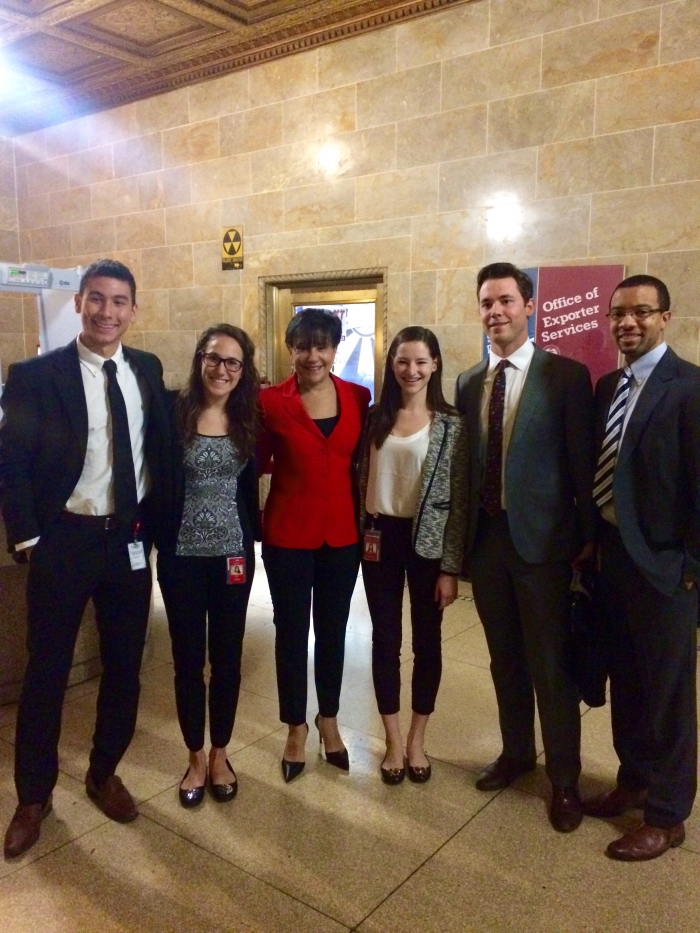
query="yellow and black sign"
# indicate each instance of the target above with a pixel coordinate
(231, 248)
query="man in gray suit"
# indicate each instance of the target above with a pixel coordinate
(530, 422)
(647, 488)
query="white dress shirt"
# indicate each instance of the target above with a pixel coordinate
(516, 373)
(640, 369)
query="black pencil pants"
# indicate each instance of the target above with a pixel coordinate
(206, 615)
(294, 575)
(384, 585)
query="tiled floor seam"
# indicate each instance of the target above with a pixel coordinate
(424, 862)
(245, 871)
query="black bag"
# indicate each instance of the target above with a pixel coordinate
(588, 652)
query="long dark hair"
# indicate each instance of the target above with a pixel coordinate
(242, 411)
(387, 408)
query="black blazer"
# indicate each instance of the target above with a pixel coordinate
(43, 436)
(548, 473)
(173, 500)
(656, 484)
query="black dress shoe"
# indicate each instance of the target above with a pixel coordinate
(419, 775)
(222, 793)
(392, 775)
(291, 769)
(337, 759)
(614, 802)
(192, 797)
(566, 810)
(501, 773)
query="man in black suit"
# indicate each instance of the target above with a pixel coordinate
(81, 445)
(647, 489)
(530, 422)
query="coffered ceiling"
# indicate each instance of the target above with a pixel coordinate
(63, 58)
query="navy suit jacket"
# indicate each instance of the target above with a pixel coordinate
(44, 431)
(656, 484)
(548, 473)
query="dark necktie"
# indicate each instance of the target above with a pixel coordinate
(602, 491)
(491, 490)
(125, 498)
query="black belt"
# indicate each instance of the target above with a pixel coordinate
(100, 522)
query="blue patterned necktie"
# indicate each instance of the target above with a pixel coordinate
(602, 490)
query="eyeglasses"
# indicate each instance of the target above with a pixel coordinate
(212, 360)
(639, 313)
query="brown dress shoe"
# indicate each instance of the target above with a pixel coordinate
(501, 773)
(112, 798)
(565, 812)
(25, 828)
(646, 842)
(614, 802)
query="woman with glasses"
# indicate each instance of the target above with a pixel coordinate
(311, 427)
(413, 497)
(205, 552)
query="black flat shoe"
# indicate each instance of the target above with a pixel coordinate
(192, 797)
(392, 775)
(292, 769)
(337, 759)
(419, 775)
(222, 793)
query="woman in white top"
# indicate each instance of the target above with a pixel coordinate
(413, 498)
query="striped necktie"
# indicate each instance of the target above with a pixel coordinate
(602, 491)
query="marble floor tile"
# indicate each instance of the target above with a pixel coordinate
(165, 885)
(507, 871)
(339, 842)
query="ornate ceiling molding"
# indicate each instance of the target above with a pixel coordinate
(81, 56)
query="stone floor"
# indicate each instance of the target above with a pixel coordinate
(332, 852)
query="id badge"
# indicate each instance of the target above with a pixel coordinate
(137, 555)
(371, 545)
(235, 569)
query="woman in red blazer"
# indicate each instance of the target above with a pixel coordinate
(312, 424)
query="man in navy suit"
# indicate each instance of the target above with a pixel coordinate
(530, 421)
(647, 490)
(82, 442)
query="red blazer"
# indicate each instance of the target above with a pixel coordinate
(311, 500)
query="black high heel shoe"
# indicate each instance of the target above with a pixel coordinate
(192, 797)
(222, 793)
(292, 769)
(337, 759)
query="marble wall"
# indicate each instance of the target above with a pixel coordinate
(539, 131)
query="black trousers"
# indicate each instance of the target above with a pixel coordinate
(195, 592)
(384, 586)
(75, 560)
(651, 640)
(525, 611)
(294, 574)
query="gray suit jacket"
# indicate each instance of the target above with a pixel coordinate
(549, 465)
(656, 484)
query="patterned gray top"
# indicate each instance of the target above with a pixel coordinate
(210, 526)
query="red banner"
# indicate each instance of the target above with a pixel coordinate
(572, 303)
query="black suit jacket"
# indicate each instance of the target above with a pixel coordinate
(172, 502)
(656, 484)
(548, 473)
(43, 436)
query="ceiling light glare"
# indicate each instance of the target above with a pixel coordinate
(329, 157)
(504, 220)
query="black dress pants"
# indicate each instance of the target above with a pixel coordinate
(74, 560)
(525, 611)
(651, 641)
(294, 574)
(195, 592)
(384, 586)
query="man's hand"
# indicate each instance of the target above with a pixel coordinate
(585, 557)
(445, 590)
